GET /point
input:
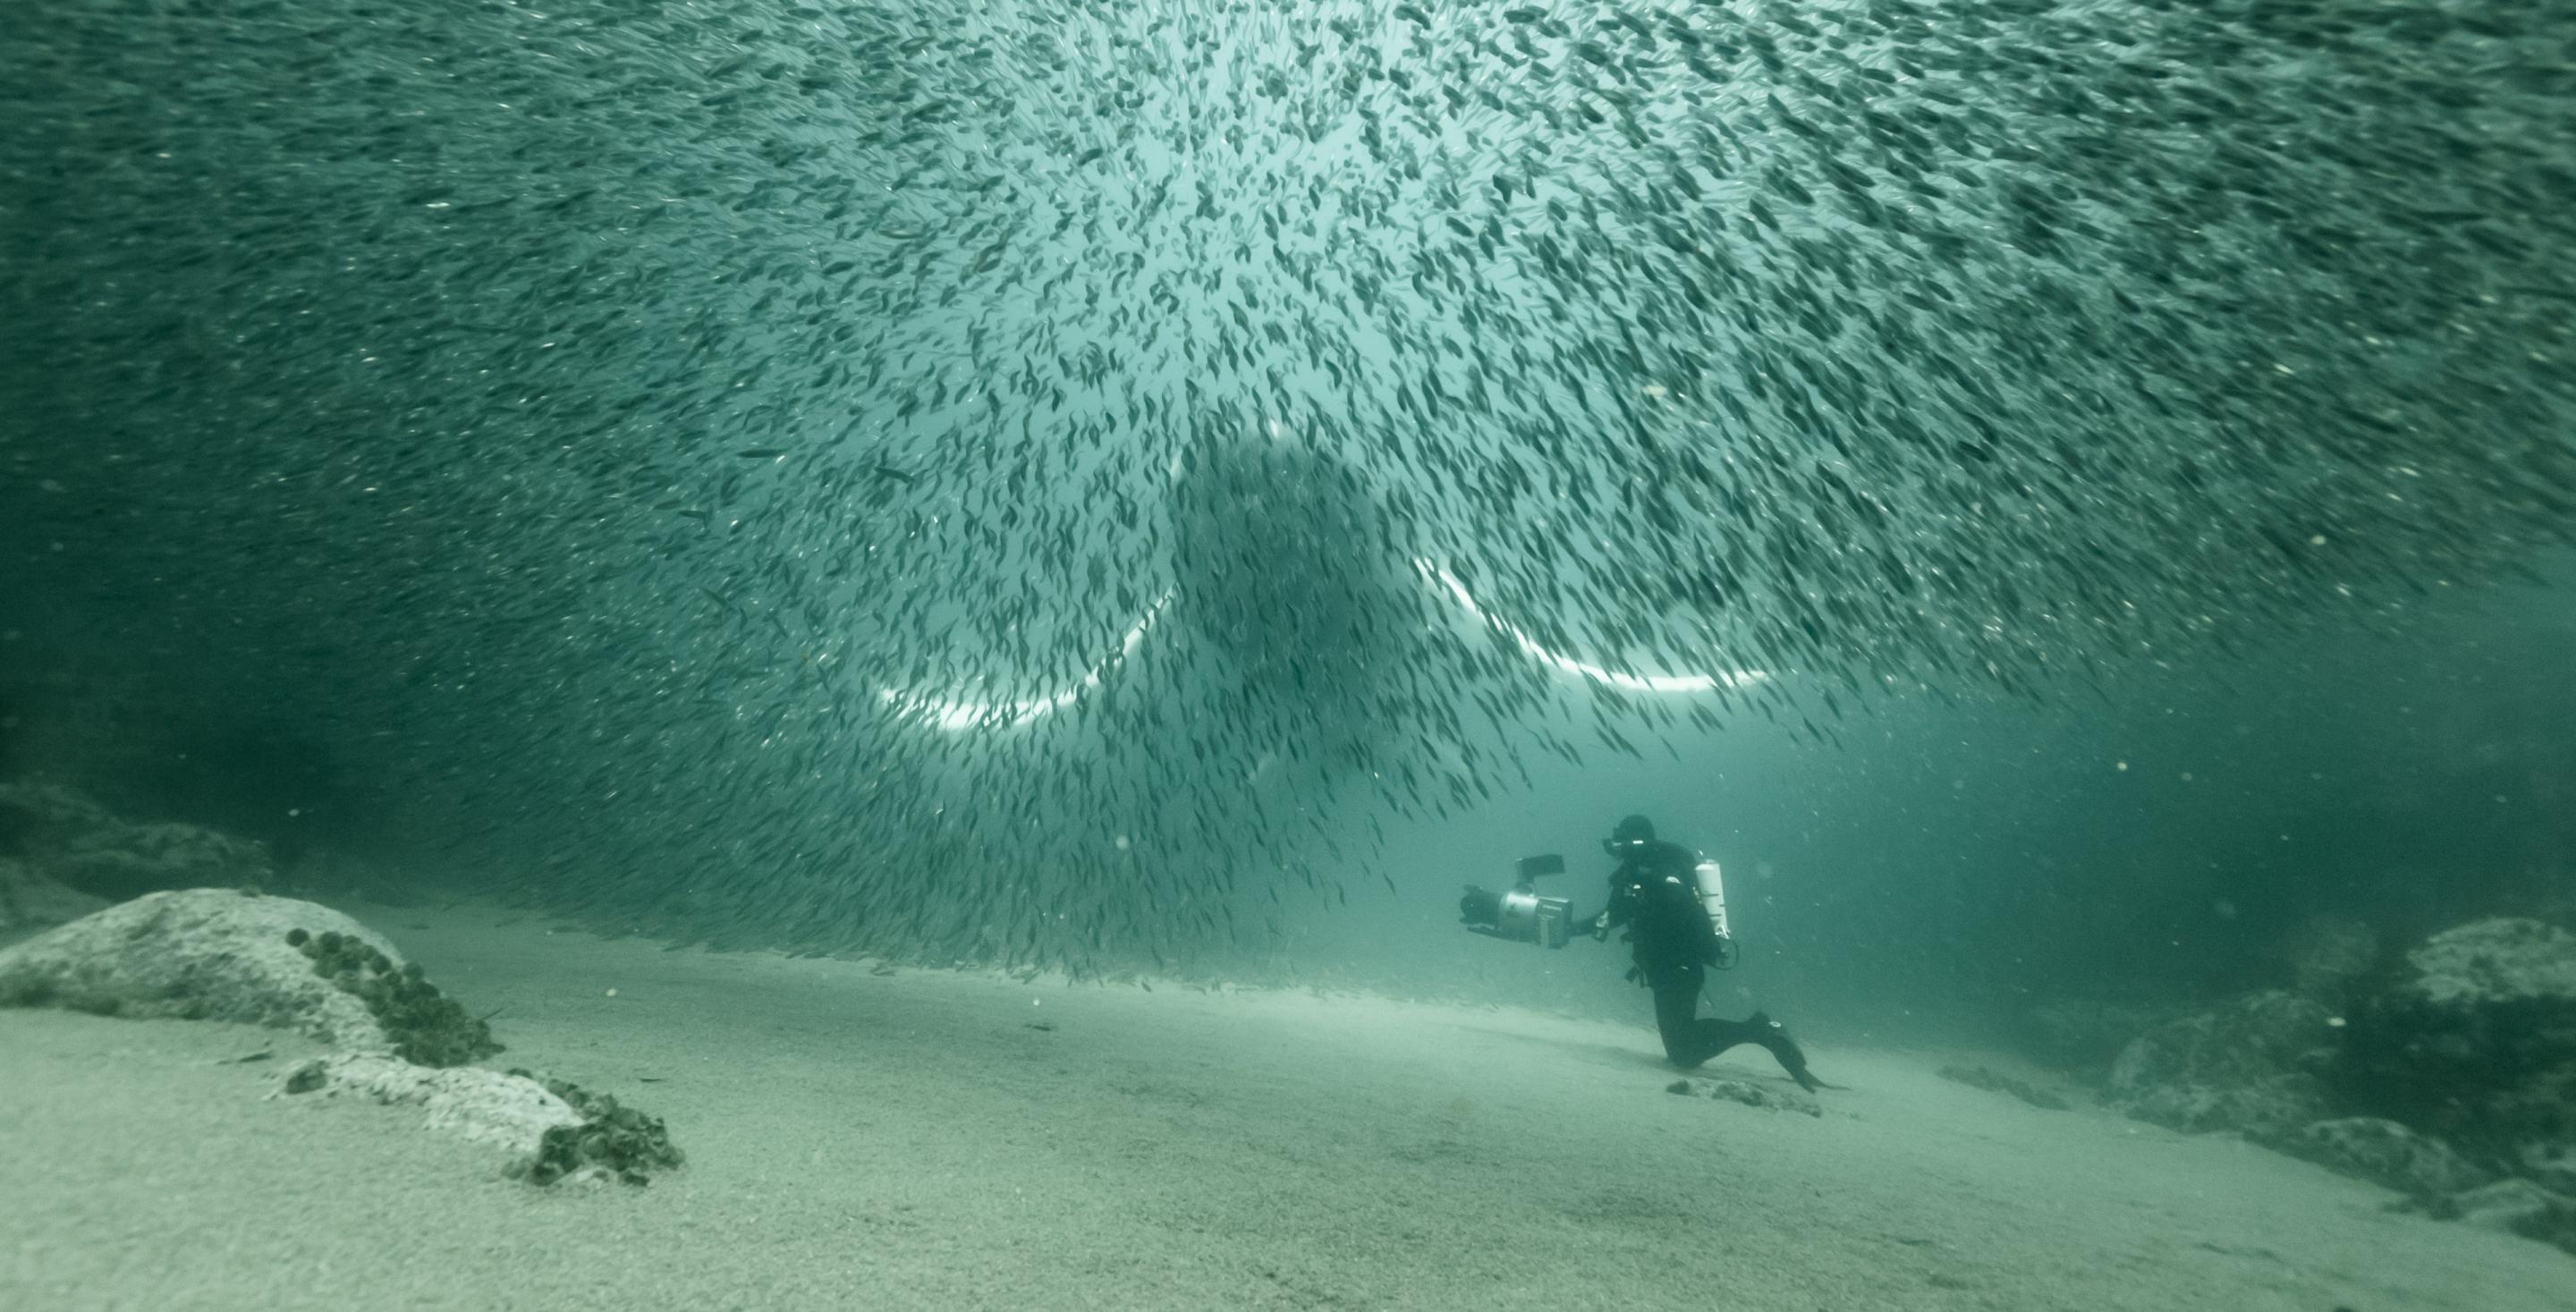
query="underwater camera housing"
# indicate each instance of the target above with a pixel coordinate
(1521, 915)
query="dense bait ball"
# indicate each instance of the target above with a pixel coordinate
(993, 480)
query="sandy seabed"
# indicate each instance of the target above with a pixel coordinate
(914, 1140)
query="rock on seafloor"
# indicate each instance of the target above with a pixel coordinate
(2501, 961)
(1994, 1081)
(227, 955)
(2327, 955)
(1750, 1093)
(30, 900)
(74, 841)
(2254, 1065)
(198, 954)
(2449, 1076)
(2385, 1153)
(485, 1106)
(2514, 1206)
(2474, 1039)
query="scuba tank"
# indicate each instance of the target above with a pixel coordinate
(1712, 899)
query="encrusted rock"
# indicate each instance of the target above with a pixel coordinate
(30, 900)
(511, 1112)
(2384, 1153)
(2552, 1165)
(2327, 954)
(44, 818)
(223, 954)
(2251, 1066)
(136, 859)
(2474, 1039)
(198, 954)
(1752, 1094)
(611, 1139)
(2494, 963)
(2516, 1207)
(426, 1027)
(75, 842)
(1994, 1081)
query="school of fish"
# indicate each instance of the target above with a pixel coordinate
(1013, 482)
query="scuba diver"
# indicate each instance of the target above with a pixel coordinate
(1654, 893)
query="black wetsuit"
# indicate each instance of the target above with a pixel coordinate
(1655, 895)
